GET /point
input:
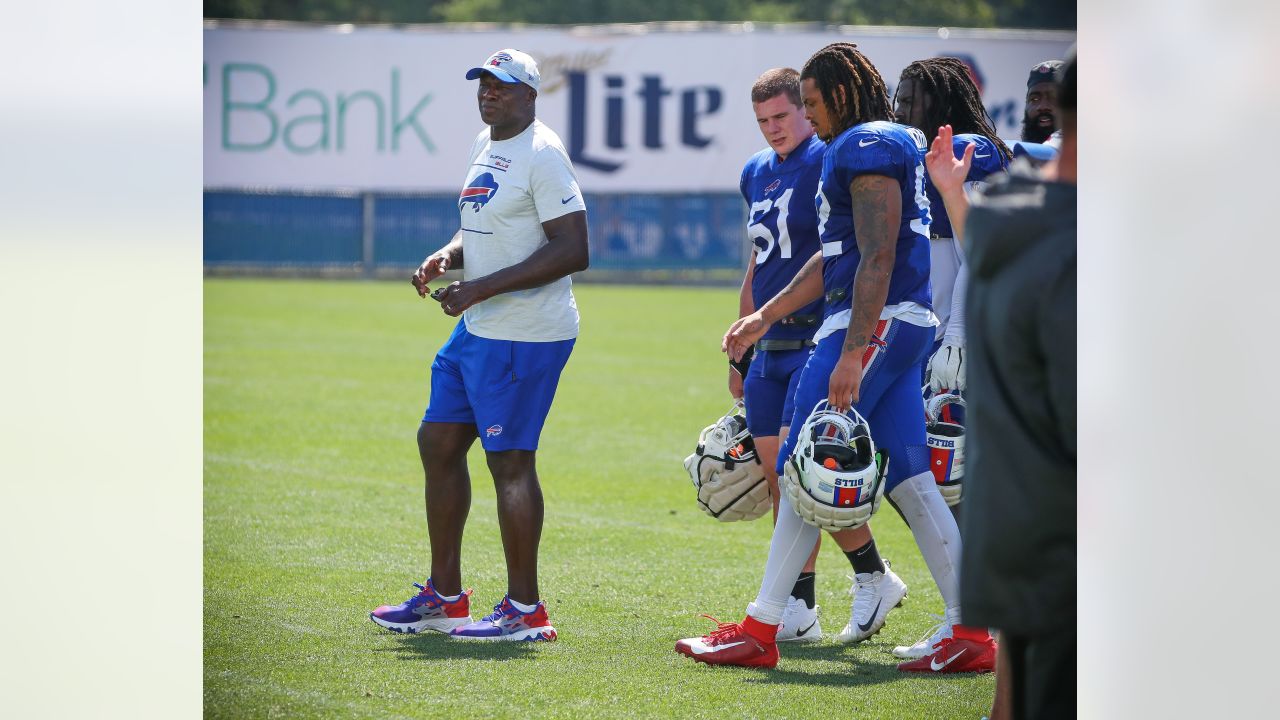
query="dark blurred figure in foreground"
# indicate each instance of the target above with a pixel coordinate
(1019, 555)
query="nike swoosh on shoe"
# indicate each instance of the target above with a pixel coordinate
(933, 664)
(872, 621)
(704, 649)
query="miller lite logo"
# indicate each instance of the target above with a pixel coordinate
(478, 191)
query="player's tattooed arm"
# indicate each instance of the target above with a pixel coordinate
(803, 289)
(877, 213)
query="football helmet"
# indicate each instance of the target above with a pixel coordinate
(944, 434)
(834, 477)
(727, 472)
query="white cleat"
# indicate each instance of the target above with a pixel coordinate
(799, 623)
(874, 595)
(926, 644)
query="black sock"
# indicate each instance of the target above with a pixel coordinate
(865, 559)
(803, 589)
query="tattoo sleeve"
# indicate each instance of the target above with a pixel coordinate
(803, 289)
(877, 215)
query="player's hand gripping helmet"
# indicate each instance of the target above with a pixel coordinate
(726, 470)
(944, 434)
(834, 478)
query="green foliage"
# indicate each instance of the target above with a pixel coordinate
(928, 13)
(313, 516)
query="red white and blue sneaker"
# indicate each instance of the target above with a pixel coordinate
(425, 611)
(508, 622)
(733, 644)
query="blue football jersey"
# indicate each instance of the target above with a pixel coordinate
(875, 148)
(782, 222)
(987, 160)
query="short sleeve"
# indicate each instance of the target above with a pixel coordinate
(986, 156)
(868, 153)
(553, 185)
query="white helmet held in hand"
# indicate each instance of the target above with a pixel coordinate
(727, 472)
(944, 434)
(834, 478)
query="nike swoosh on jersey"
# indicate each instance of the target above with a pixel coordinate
(800, 633)
(566, 200)
(701, 649)
(872, 621)
(867, 141)
(933, 664)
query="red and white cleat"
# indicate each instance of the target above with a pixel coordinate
(956, 655)
(730, 644)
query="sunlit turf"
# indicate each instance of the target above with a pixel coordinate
(313, 516)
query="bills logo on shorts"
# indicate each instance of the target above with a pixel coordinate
(493, 431)
(478, 192)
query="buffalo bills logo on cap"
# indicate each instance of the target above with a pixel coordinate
(478, 191)
(499, 58)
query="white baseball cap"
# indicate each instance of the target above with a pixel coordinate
(509, 65)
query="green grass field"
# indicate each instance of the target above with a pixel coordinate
(313, 516)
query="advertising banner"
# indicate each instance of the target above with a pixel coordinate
(639, 110)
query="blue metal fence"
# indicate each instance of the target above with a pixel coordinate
(372, 233)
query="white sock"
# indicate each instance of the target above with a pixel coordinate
(792, 543)
(936, 534)
(521, 606)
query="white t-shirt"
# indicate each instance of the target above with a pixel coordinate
(512, 187)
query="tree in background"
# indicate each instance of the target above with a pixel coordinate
(1056, 14)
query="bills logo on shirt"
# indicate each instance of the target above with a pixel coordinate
(478, 192)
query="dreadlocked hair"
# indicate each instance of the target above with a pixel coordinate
(955, 100)
(842, 65)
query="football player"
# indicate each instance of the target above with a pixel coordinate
(1040, 119)
(779, 184)
(873, 222)
(938, 94)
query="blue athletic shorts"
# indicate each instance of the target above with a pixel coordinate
(770, 389)
(503, 387)
(889, 397)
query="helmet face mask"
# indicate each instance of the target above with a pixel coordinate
(944, 435)
(726, 470)
(834, 478)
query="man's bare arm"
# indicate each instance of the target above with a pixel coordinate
(565, 253)
(449, 256)
(803, 289)
(877, 215)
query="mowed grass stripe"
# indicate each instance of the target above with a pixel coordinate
(313, 516)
